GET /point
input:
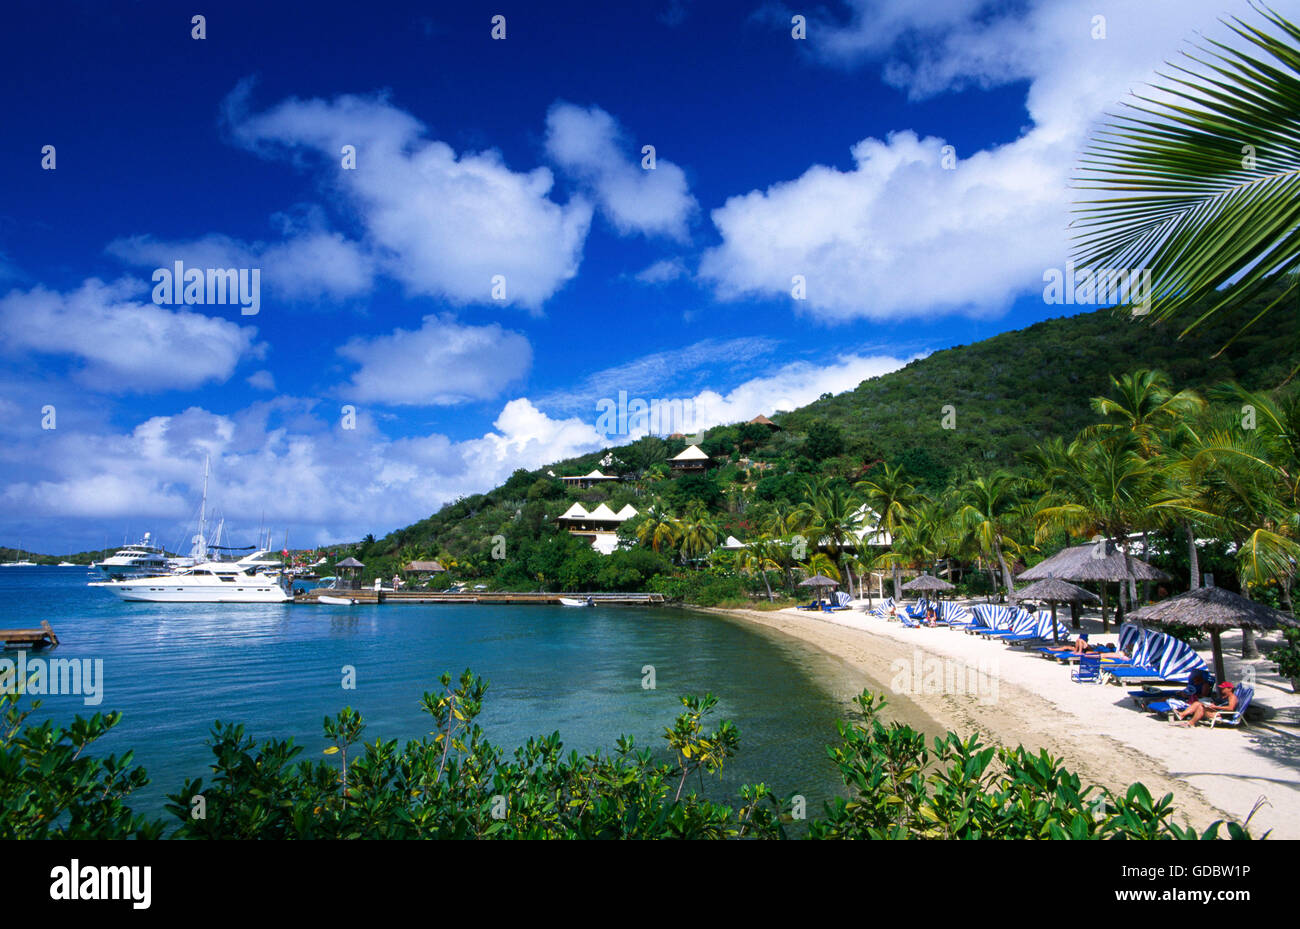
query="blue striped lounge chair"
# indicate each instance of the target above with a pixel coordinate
(1160, 657)
(1041, 633)
(883, 610)
(1011, 620)
(1151, 697)
(954, 616)
(989, 617)
(1129, 638)
(917, 610)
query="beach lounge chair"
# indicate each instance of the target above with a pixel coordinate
(989, 617)
(1088, 671)
(917, 610)
(953, 615)
(1069, 657)
(1159, 657)
(1245, 693)
(1018, 622)
(1155, 696)
(883, 609)
(814, 605)
(1041, 634)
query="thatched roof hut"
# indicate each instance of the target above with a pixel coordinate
(424, 567)
(1213, 609)
(1096, 561)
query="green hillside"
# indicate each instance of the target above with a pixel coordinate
(1006, 395)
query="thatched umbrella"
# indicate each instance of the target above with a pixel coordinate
(819, 581)
(1214, 610)
(1099, 561)
(928, 582)
(1054, 590)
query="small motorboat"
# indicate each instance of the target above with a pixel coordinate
(336, 601)
(570, 601)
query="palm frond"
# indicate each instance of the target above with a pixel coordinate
(1207, 177)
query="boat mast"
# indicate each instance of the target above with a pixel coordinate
(200, 541)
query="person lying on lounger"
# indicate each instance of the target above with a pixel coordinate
(1080, 646)
(930, 618)
(1226, 702)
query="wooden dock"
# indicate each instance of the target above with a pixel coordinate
(35, 639)
(370, 595)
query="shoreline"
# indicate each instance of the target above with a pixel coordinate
(1096, 731)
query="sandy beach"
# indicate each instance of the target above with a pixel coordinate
(967, 684)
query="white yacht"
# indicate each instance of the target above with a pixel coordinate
(209, 582)
(140, 560)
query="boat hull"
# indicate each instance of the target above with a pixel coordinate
(181, 593)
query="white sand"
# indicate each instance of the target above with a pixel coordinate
(1098, 731)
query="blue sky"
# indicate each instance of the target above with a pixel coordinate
(775, 157)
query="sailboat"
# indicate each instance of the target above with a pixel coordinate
(21, 562)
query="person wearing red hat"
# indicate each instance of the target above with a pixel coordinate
(1199, 710)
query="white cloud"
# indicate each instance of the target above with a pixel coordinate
(441, 363)
(658, 373)
(124, 344)
(661, 272)
(442, 223)
(272, 465)
(791, 386)
(589, 144)
(262, 380)
(898, 236)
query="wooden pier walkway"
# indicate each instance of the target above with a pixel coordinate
(35, 639)
(370, 595)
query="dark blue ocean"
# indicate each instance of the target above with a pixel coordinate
(172, 669)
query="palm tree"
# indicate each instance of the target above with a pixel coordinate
(699, 533)
(1236, 486)
(834, 518)
(989, 509)
(1098, 487)
(891, 495)
(1202, 186)
(1145, 404)
(658, 530)
(759, 556)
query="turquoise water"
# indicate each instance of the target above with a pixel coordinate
(172, 669)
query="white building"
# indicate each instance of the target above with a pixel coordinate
(599, 525)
